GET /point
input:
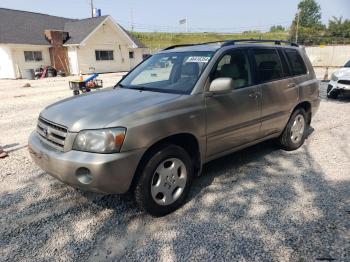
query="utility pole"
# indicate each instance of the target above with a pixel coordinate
(132, 19)
(297, 29)
(92, 8)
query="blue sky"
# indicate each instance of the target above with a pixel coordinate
(162, 15)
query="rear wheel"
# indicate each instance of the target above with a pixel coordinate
(164, 181)
(294, 134)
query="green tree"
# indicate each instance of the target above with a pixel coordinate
(310, 25)
(277, 28)
(337, 27)
(310, 14)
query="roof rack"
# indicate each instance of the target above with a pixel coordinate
(184, 45)
(276, 42)
(233, 42)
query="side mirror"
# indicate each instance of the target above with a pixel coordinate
(221, 85)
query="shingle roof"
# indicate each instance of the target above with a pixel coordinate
(80, 29)
(22, 27)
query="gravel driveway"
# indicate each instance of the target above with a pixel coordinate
(260, 204)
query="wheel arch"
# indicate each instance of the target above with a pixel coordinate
(306, 105)
(187, 141)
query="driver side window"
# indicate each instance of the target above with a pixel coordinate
(235, 65)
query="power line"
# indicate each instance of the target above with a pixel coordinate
(168, 28)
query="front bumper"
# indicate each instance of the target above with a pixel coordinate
(103, 173)
(339, 87)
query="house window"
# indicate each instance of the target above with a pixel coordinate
(102, 55)
(131, 55)
(31, 56)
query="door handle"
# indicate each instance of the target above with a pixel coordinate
(292, 85)
(254, 95)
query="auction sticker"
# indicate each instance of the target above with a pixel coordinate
(198, 59)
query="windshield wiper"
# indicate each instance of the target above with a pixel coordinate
(150, 89)
(119, 85)
(143, 88)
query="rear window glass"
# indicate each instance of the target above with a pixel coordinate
(347, 64)
(268, 65)
(296, 62)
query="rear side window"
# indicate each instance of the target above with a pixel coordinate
(285, 66)
(296, 62)
(268, 65)
(347, 64)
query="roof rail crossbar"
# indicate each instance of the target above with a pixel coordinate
(176, 46)
(233, 42)
(184, 45)
(276, 42)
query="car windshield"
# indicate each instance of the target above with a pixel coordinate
(347, 64)
(175, 72)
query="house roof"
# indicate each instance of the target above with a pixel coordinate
(79, 29)
(22, 27)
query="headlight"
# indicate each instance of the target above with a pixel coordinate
(334, 78)
(104, 141)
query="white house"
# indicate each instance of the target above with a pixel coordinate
(29, 40)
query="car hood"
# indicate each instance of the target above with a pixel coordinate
(343, 73)
(98, 109)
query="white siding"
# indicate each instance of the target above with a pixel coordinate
(107, 37)
(19, 62)
(138, 56)
(73, 60)
(6, 64)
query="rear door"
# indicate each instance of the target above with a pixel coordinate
(233, 119)
(279, 93)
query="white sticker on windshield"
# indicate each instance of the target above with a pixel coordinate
(198, 59)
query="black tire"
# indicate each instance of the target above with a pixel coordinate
(142, 191)
(285, 140)
(76, 92)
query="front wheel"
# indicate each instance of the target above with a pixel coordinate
(294, 133)
(164, 181)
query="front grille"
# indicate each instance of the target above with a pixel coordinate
(344, 82)
(52, 134)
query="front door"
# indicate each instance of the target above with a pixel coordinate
(233, 119)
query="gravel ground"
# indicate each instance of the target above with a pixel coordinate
(260, 204)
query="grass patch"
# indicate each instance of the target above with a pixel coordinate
(157, 41)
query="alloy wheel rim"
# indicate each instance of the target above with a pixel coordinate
(169, 181)
(297, 130)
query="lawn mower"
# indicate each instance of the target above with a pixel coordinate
(85, 86)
